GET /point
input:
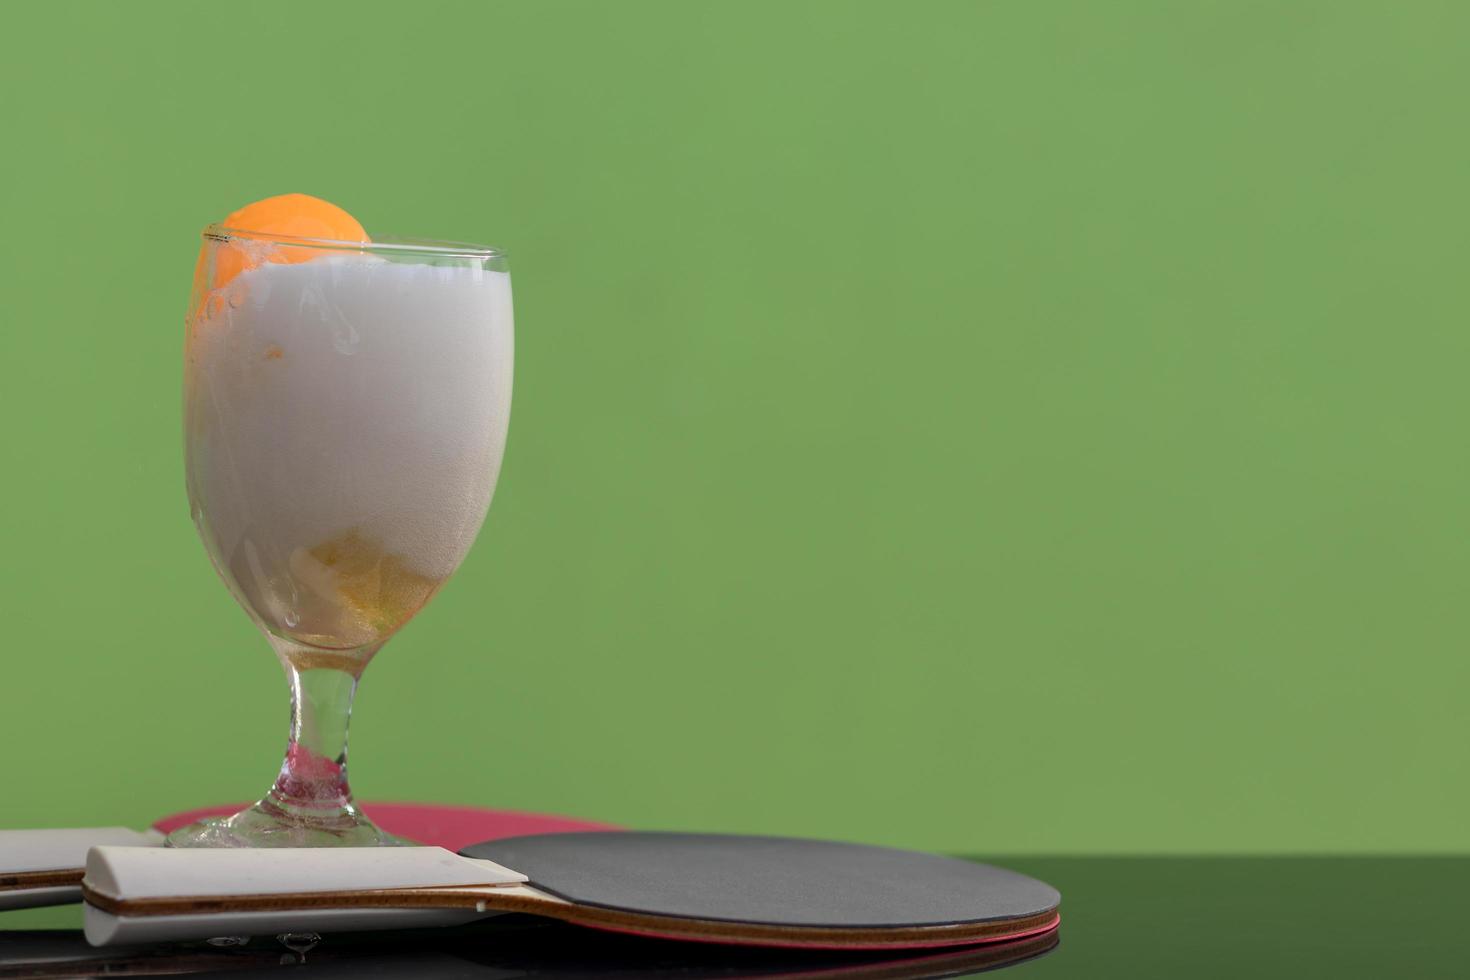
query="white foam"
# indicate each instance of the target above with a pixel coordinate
(346, 394)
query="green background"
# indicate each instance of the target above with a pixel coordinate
(993, 427)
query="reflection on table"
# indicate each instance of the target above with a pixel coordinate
(505, 946)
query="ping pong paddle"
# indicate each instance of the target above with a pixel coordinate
(761, 891)
(44, 867)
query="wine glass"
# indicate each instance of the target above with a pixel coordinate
(345, 411)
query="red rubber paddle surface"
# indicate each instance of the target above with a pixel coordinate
(452, 827)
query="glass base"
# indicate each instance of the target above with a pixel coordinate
(268, 824)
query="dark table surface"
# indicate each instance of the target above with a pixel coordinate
(1121, 917)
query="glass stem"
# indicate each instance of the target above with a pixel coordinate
(313, 778)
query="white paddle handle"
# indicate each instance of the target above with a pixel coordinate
(58, 850)
(28, 852)
(130, 873)
(126, 874)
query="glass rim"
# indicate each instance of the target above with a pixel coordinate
(390, 243)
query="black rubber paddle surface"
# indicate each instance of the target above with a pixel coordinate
(768, 880)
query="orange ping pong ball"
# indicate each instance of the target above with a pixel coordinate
(293, 215)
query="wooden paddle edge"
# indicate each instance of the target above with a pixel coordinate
(595, 916)
(40, 879)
